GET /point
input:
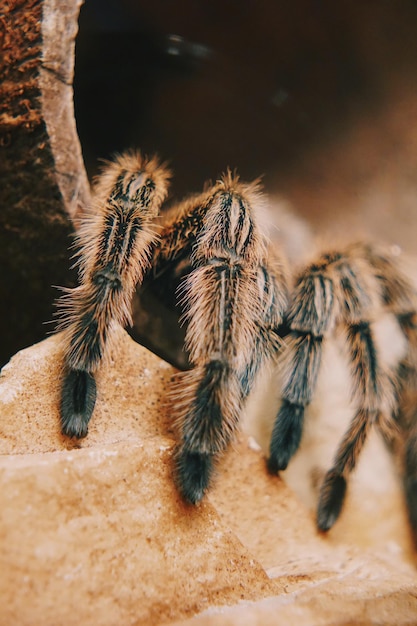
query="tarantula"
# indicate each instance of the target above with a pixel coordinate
(241, 313)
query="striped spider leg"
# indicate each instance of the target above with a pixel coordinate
(406, 416)
(114, 246)
(400, 298)
(341, 291)
(232, 298)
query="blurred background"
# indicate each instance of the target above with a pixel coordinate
(319, 97)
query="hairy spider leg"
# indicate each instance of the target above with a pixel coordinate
(400, 298)
(337, 291)
(114, 246)
(372, 385)
(310, 317)
(406, 416)
(220, 299)
(272, 299)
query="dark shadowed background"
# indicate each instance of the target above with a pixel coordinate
(319, 97)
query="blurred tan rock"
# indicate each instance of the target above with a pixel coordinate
(94, 532)
(357, 598)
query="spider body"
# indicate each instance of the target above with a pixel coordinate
(240, 314)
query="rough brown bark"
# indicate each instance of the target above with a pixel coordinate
(42, 175)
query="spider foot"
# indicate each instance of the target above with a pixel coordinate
(193, 474)
(410, 482)
(410, 487)
(286, 436)
(77, 403)
(332, 495)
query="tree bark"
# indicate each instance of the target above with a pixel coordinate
(43, 180)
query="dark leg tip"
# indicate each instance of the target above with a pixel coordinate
(411, 498)
(331, 500)
(193, 475)
(286, 436)
(77, 403)
(276, 462)
(410, 484)
(74, 426)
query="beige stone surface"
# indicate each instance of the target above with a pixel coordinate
(131, 390)
(340, 578)
(94, 532)
(355, 599)
(99, 536)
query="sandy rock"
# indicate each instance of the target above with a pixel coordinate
(95, 532)
(353, 599)
(131, 388)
